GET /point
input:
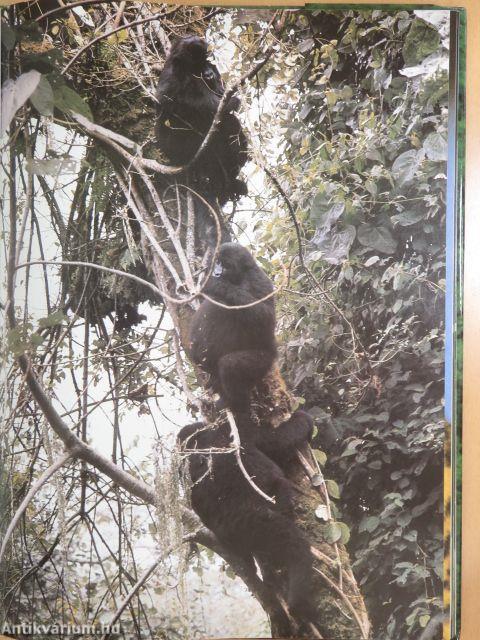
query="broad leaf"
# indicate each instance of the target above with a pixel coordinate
(332, 532)
(68, 100)
(407, 218)
(436, 147)
(422, 40)
(377, 238)
(406, 165)
(15, 93)
(42, 98)
(334, 245)
(333, 489)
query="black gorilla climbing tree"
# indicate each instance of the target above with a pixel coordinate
(303, 577)
(242, 519)
(188, 94)
(236, 347)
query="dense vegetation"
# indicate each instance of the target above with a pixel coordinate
(364, 168)
(347, 128)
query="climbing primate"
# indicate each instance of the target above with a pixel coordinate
(236, 347)
(244, 521)
(189, 93)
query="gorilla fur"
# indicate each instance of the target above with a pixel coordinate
(188, 93)
(236, 347)
(243, 521)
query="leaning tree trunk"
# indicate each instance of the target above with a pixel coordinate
(171, 254)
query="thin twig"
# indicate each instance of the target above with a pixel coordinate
(291, 212)
(238, 447)
(34, 489)
(68, 6)
(156, 16)
(347, 602)
(92, 265)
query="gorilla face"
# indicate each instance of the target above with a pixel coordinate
(190, 54)
(234, 263)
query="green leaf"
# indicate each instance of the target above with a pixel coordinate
(424, 620)
(320, 456)
(36, 339)
(334, 244)
(15, 94)
(377, 238)
(345, 532)
(68, 100)
(371, 261)
(422, 40)
(436, 147)
(230, 572)
(332, 532)
(42, 98)
(405, 166)
(52, 320)
(407, 218)
(16, 343)
(369, 524)
(333, 489)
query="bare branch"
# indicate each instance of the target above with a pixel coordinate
(92, 265)
(364, 628)
(238, 456)
(156, 16)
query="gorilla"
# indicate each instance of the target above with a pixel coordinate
(188, 93)
(236, 347)
(242, 520)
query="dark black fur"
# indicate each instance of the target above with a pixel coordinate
(189, 92)
(243, 521)
(236, 347)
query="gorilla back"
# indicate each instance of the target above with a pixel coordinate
(242, 520)
(188, 93)
(237, 347)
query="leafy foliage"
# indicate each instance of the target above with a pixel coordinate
(365, 169)
(358, 139)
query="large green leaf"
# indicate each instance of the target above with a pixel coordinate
(405, 166)
(68, 100)
(407, 218)
(378, 238)
(422, 40)
(42, 98)
(436, 147)
(15, 93)
(334, 245)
